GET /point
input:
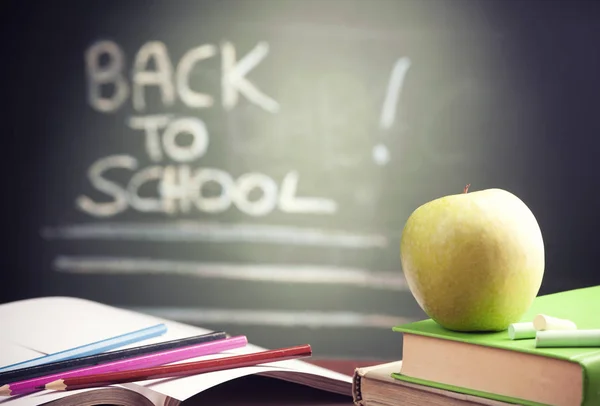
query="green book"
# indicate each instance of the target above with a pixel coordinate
(555, 376)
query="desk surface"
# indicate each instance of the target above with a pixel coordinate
(257, 390)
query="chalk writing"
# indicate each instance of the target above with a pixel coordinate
(186, 64)
(395, 84)
(172, 82)
(194, 231)
(110, 74)
(120, 201)
(161, 77)
(179, 187)
(283, 273)
(276, 318)
(179, 182)
(381, 153)
(151, 126)
(234, 80)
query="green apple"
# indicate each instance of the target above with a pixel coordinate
(474, 261)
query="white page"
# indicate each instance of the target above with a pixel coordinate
(12, 353)
(55, 324)
(95, 321)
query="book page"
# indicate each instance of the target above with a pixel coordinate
(70, 322)
(38, 398)
(12, 353)
(186, 387)
(59, 323)
(383, 372)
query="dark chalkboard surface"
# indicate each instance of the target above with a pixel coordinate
(249, 165)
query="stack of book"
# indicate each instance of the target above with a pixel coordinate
(441, 367)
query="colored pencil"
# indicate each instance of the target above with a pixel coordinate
(92, 348)
(179, 370)
(22, 374)
(144, 361)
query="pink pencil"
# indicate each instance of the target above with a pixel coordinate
(144, 361)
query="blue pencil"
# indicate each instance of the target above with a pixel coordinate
(93, 348)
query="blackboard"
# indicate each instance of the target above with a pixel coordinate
(249, 165)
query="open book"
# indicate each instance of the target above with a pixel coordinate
(35, 327)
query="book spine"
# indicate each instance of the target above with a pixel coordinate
(591, 385)
(356, 388)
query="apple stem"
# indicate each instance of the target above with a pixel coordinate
(466, 189)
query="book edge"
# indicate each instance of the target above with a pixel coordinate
(357, 398)
(105, 396)
(463, 391)
(361, 373)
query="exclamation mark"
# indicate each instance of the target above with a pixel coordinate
(381, 153)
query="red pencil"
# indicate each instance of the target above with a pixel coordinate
(178, 370)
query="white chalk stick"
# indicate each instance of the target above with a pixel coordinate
(567, 338)
(542, 322)
(519, 331)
